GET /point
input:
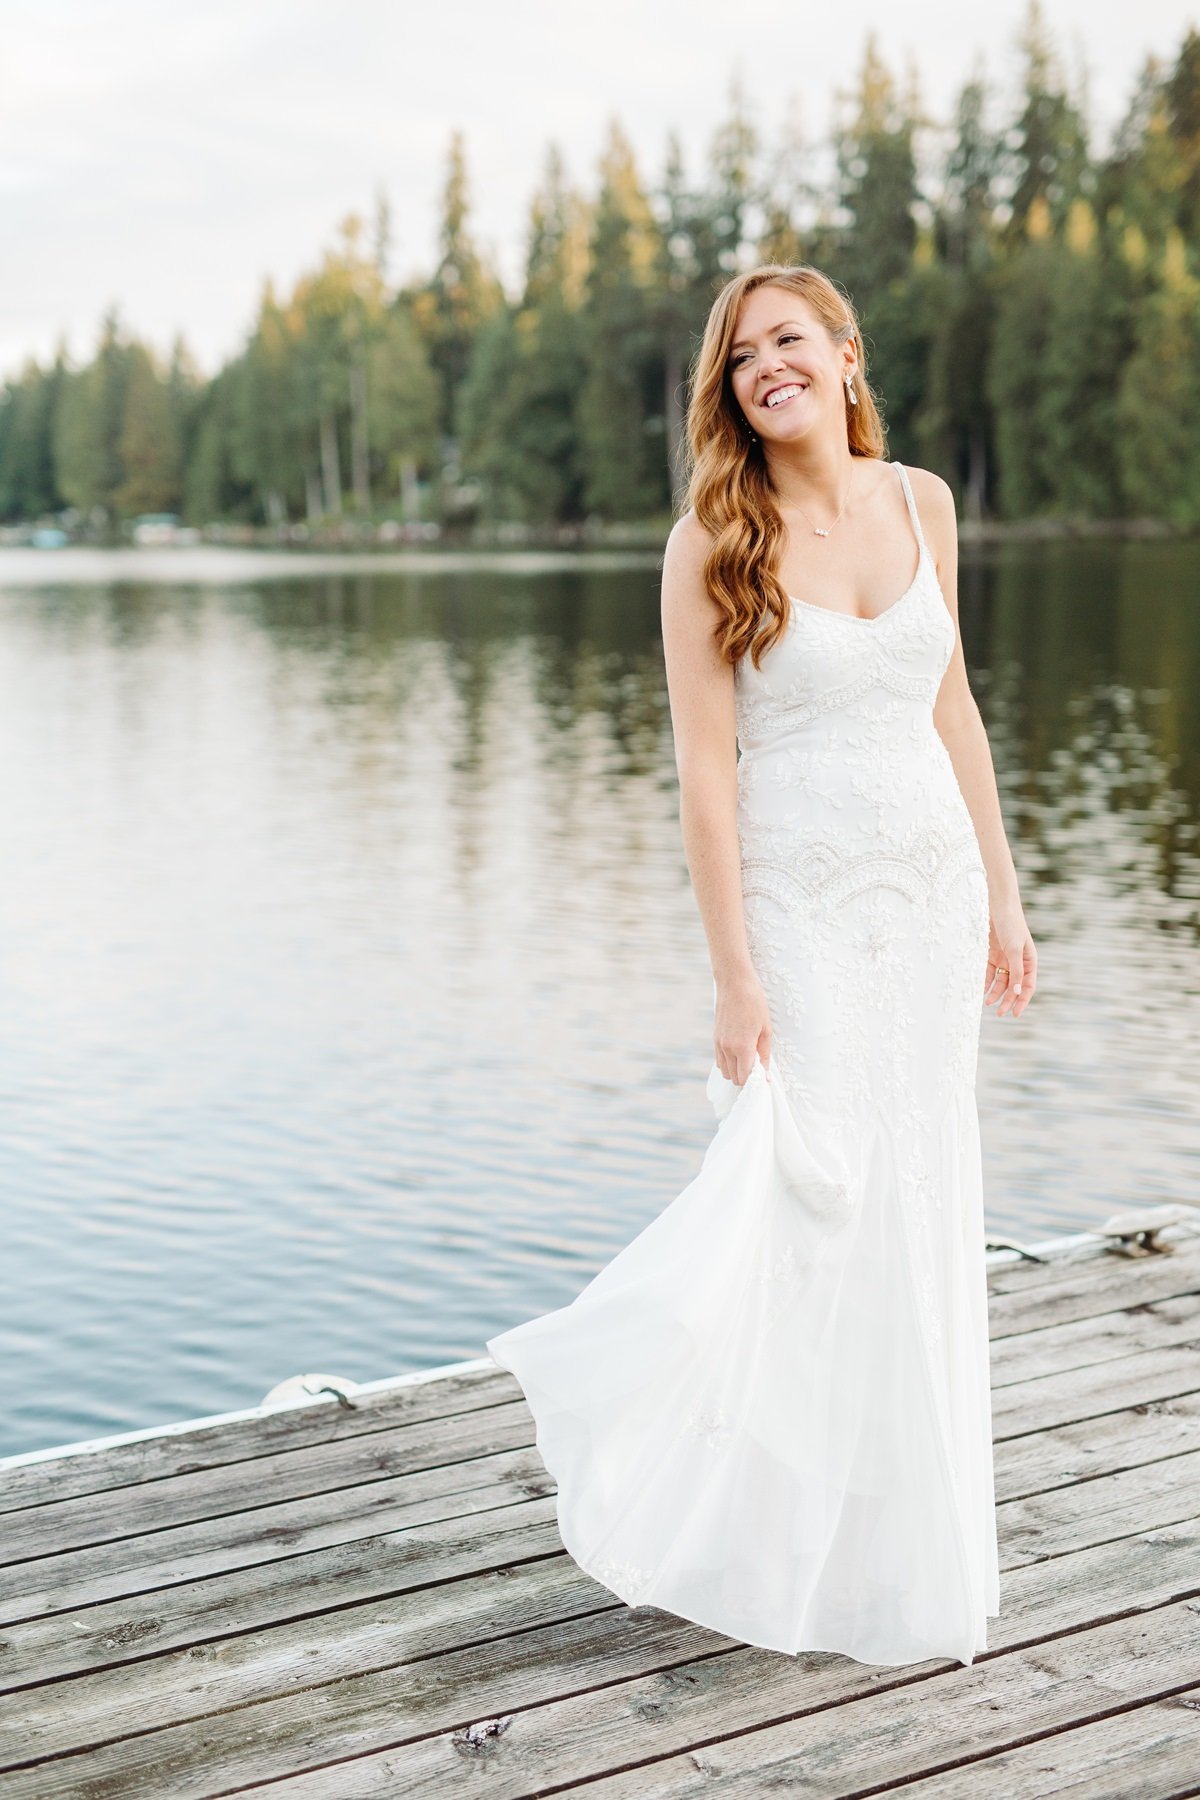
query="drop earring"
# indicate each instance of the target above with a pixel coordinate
(850, 390)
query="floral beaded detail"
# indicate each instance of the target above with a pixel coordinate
(710, 1425)
(625, 1579)
(781, 1277)
(864, 888)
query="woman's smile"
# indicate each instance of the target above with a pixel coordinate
(783, 394)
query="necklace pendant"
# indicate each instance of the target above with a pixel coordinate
(822, 533)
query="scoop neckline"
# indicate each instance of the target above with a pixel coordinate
(860, 618)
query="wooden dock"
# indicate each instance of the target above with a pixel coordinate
(337, 1603)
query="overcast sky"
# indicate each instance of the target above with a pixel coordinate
(168, 157)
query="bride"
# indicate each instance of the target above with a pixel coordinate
(770, 1413)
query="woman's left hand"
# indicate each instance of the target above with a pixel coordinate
(1012, 963)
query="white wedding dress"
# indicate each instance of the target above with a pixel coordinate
(770, 1413)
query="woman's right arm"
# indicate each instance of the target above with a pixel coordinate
(700, 686)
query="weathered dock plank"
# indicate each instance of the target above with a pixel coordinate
(186, 1449)
(1098, 1446)
(1086, 1343)
(324, 1602)
(1046, 1295)
(1151, 1749)
(391, 1687)
(311, 1482)
(906, 1727)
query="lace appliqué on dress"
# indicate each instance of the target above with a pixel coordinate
(625, 1579)
(864, 889)
(710, 1424)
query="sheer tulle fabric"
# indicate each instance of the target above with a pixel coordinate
(728, 1442)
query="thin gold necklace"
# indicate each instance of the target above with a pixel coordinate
(824, 530)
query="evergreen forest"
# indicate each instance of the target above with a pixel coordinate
(1030, 305)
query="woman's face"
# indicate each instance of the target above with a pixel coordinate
(781, 349)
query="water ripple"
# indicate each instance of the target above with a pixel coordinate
(356, 1003)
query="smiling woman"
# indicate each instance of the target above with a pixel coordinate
(784, 366)
(770, 1413)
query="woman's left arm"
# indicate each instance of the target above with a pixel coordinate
(961, 729)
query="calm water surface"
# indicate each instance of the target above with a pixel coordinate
(355, 1002)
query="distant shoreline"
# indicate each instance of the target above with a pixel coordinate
(390, 545)
(249, 555)
(218, 565)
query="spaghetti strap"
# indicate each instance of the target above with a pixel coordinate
(912, 509)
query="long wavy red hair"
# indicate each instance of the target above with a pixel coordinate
(728, 483)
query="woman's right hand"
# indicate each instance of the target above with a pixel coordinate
(741, 1026)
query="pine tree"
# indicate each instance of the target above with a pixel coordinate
(148, 443)
(1024, 289)
(1047, 160)
(88, 426)
(268, 412)
(956, 425)
(402, 422)
(877, 186)
(463, 293)
(621, 423)
(1138, 184)
(1088, 339)
(1182, 95)
(1159, 399)
(519, 407)
(28, 408)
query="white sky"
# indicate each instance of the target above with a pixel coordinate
(167, 158)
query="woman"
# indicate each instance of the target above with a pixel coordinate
(771, 1412)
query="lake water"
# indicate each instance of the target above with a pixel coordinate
(355, 1002)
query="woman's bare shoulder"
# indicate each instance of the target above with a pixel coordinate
(688, 544)
(691, 618)
(684, 589)
(934, 501)
(929, 489)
